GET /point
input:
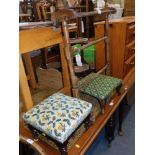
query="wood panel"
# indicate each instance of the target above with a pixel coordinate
(100, 48)
(33, 39)
(117, 45)
(116, 49)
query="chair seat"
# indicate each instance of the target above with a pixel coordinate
(58, 116)
(99, 86)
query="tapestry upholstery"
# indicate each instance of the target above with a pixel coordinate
(58, 116)
(99, 86)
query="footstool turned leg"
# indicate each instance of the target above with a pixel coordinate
(34, 132)
(118, 90)
(87, 122)
(102, 105)
(62, 149)
(35, 135)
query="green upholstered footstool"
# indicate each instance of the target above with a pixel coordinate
(99, 86)
(57, 117)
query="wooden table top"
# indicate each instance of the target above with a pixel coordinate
(89, 136)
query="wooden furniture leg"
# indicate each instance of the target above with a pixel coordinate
(87, 122)
(29, 68)
(25, 91)
(118, 89)
(44, 58)
(63, 149)
(121, 114)
(110, 129)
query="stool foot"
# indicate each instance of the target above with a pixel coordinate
(63, 150)
(118, 89)
(87, 122)
(62, 147)
(120, 133)
(102, 106)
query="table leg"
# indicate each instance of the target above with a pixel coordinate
(121, 115)
(110, 129)
(44, 58)
(29, 68)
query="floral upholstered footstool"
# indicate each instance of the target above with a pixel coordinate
(57, 118)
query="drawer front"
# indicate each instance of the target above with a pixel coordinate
(129, 49)
(130, 34)
(129, 64)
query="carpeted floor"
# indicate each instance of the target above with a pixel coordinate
(122, 145)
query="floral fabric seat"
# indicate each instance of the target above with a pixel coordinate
(99, 86)
(58, 116)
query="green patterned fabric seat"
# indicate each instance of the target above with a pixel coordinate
(99, 86)
(58, 116)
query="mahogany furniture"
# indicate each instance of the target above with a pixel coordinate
(122, 46)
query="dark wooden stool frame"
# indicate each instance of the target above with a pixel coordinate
(62, 146)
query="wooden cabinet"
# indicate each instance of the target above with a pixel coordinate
(122, 46)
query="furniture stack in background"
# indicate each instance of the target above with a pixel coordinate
(122, 42)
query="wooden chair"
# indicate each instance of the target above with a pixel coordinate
(26, 11)
(96, 85)
(58, 116)
(42, 8)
